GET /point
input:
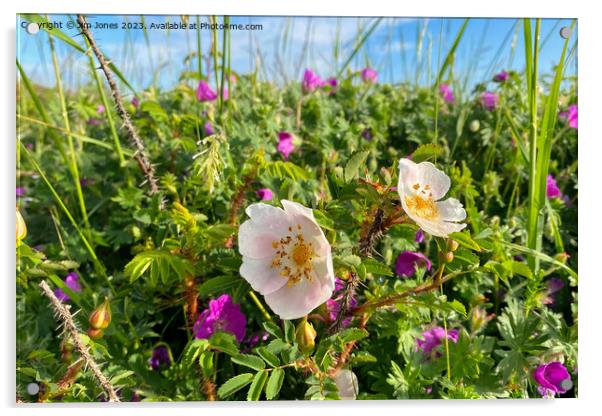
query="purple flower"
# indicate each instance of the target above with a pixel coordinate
(204, 92)
(265, 194)
(332, 82)
(333, 305)
(160, 357)
(369, 75)
(572, 116)
(311, 81)
(501, 77)
(407, 261)
(554, 285)
(85, 182)
(419, 236)
(552, 190)
(29, 146)
(72, 282)
(367, 134)
(552, 378)
(94, 122)
(255, 338)
(20, 191)
(222, 315)
(446, 92)
(433, 338)
(285, 144)
(135, 102)
(489, 100)
(100, 109)
(208, 129)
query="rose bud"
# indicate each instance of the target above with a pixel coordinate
(101, 316)
(452, 245)
(95, 333)
(305, 336)
(447, 257)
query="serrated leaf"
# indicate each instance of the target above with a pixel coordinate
(120, 376)
(376, 267)
(426, 152)
(353, 165)
(160, 263)
(274, 383)
(458, 307)
(268, 356)
(249, 360)
(234, 384)
(257, 386)
(273, 329)
(352, 334)
(219, 284)
(464, 239)
(225, 342)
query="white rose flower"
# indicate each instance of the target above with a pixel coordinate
(346, 382)
(286, 258)
(420, 188)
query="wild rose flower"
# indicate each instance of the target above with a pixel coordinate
(420, 188)
(286, 258)
(552, 378)
(100, 109)
(265, 194)
(552, 189)
(221, 315)
(160, 357)
(20, 191)
(447, 93)
(311, 81)
(204, 92)
(285, 143)
(346, 382)
(501, 77)
(419, 236)
(369, 75)
(208, 129)
(407, 261)
(333, 305)
(489, 100)
(434, 337)
(72, 282)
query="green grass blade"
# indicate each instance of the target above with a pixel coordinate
(450, 54)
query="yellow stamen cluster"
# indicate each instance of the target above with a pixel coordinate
(293, 257)
(421, 203)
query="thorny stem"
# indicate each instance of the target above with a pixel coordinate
(391, 300)
(348, 349)
(345, 303)
(69, 325)
(140, 155)
(377, 227)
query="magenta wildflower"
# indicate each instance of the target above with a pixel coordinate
(72, 282)
(572, 116)
(419, 236)
(204, 92)
(222, 315)
(100, 109)
(311, 81)
(333, 305)
(208, 129)
(94, 122)
(552, 378)
(20, 191)
(554, 285)
(160, 357)
(501, 77)
(447, 93)
(407, 261)
(433, 338)
(552, 190)
(255, 338)
(489, 100)
(135, 102)
(369, 75)
(265, 194)
(285, 143)
(29, 146)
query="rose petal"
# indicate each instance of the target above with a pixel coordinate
(260, 274)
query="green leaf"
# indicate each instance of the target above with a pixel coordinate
(289, 332)
(273, 329)
(283, 170)
(249, 360)
(458, 306)
(464, 239)
(376, 267)
(353, 165)
(225, 342)
(268, 356)
(161, 264)
(541, 256)
(352, 334)
(121, 375)
(426, 152)
(234, 384)
(257, 386)
(274, 383)
(219, 284)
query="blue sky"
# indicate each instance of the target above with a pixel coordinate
(399, 48)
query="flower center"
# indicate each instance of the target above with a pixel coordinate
(293, 257)
(421, 203)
